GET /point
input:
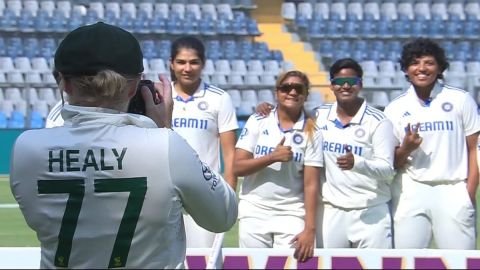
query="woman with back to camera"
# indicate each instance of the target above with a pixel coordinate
(436, 129)
(281, 157)
(204, 116)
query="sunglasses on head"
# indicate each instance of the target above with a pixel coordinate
(287, 87)
(352, 81)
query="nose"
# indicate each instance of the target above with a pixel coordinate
(346, 85)
(188, 67)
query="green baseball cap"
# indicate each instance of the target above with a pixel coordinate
(92, 48)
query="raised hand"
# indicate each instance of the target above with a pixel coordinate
(346, 161)
(161, 110)
(282, 153)
(412, 139)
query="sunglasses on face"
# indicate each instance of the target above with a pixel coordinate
(352, 81)
(287, 87)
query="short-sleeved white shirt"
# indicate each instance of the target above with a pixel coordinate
(102, 161)
(369, 135)
(202, 118)
(278, 187)
(445, 121)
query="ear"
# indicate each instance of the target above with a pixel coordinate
(132, 90)
(67, 85)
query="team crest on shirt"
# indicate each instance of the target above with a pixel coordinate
(447, 106)
(203, 105)
(244, 132)
(207, 173)
(360, 132)
(298, 138)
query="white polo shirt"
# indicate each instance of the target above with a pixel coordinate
(369, 135)
(445, 121)
(107, 189)
(278, 187)
(202, 118)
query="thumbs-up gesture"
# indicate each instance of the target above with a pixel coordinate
(412, 139)
(282, 153)
(346, 161)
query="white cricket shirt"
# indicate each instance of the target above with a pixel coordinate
(369, 135)
(202, 118)
(278, 187)
(54, 117)
(445, 121)
(107, 190)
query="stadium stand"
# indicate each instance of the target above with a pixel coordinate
(32, 29)
(374, 36)
(240, 53)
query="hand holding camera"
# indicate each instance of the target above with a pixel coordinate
(156, 102)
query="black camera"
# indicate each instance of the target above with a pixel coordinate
(137, 104)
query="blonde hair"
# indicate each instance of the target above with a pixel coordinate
(105, 89)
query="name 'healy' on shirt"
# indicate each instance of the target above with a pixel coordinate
(70, 160)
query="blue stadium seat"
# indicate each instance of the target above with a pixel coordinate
(384, 27)
(58, 21)
(252, 27)
(163, 48)
(30, 47)
(14, 47)
(368, 28)
(190, 24)
(36, 120)
(141, 24)
(452, 29)
(350, 28)
(125, 21)
(401, 27)
(316, 29)
(25, 21)
(8, 21)
(206, 26)
(174, 24)
(75, 20)
(47, 47)
(158, 25)
(471, 30)
(148, 48)
(42, 21)
(3, 50)
(277, 55)
(16, 120)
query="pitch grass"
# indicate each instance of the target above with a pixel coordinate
(14, 232)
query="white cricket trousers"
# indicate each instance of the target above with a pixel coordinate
(369, 227)
(441, 210)
(267, 229)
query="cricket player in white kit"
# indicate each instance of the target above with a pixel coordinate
(281, 158)
(204, 116)
(106, 189)
(436, 130)
(358, 149)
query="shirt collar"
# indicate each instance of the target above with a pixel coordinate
(437, 89)
(79, 115)
(299, 125)
(357, 118)
(200, 92)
